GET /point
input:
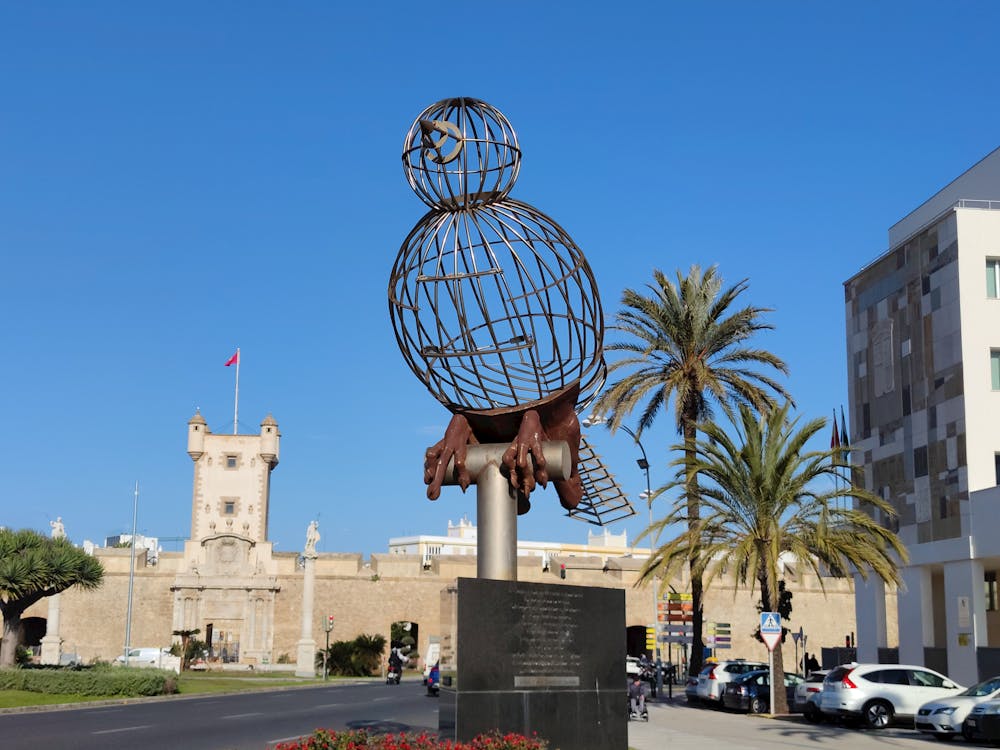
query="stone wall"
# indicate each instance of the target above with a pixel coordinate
(368, 596)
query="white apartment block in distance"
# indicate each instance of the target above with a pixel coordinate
(923, 359)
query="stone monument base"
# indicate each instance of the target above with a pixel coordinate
(534, 658)
(51, 649)
(305, 662)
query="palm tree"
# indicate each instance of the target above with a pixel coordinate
(763, 496)
(33, 567)
(686, 344)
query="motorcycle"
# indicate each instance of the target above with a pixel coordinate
(393, 675)
(434, 681)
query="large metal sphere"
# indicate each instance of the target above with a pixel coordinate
(496, 307)
(461, 153)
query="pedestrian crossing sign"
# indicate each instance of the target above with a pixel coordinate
(770, 629)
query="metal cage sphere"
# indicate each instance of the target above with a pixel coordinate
(496, 308)
(461, 153)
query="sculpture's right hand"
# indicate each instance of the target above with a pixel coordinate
(454, 445)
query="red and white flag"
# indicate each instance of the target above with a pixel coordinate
(234, 360)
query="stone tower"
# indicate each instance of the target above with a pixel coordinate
(230, 579)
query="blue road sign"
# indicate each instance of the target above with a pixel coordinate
(770, 622)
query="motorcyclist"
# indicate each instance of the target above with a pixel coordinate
(395, 663)
(637, 697)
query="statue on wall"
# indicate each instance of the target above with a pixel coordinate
(312, 537)
(58, 530)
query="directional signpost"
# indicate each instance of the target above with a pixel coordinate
(770, 631)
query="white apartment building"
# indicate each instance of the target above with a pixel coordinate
(923, 348)
(461, 540)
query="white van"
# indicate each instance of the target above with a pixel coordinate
(144, 657)
(433, 656)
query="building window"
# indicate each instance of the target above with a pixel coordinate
(995, 369)
(229, 507)
(992, 278)
(920, 461)
(991, 591)
(996, 467)
(231, 462)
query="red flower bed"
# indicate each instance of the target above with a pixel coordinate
(327, 739)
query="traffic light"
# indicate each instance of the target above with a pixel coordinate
(329, 623)
(562, 570)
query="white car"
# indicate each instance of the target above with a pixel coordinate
(945, 717)
(880, 693)
(807, 695)
(713, 677)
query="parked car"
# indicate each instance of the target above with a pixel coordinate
(632, 665)
(945, 717)
(878, 694)
(713, 677)
(752, 691)
(691, 689)
(983, 721)
(807, 694)
(143, 657)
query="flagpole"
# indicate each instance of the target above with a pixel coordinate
(236, 406)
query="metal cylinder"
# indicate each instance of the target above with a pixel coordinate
(496, 521)
(496, 504)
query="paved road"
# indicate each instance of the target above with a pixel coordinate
(255, 721)
(249, 721)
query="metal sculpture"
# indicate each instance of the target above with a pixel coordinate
(494, 306)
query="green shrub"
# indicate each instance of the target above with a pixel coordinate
(110, 681)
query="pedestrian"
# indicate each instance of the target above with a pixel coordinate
(637, 697)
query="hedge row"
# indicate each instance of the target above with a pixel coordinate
(97, 681)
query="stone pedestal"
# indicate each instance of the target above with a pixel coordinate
(305, 662)
(52, 642)
(531, 657)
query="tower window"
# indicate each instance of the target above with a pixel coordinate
(991, 591)
(232, 462)
(229, 507)
(992, 278)
(995, 369)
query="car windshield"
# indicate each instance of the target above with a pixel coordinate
(983, 688)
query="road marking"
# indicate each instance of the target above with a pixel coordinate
(123, 729)
(242, 716)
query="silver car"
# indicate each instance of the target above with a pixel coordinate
(807, 695)
(945, 717)
(713, 677)
(881, 693)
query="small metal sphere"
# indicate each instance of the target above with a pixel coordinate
(496, 308)
(461, 153)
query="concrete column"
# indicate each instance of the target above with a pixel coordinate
(965, 618)
(250, 626)
(496, 504)
(915, 603)
(51, 642)
(869, 615)
(305, 664)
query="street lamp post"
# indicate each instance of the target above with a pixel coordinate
(592, 421)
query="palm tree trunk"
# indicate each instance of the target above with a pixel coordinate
(11, 638)
(769, 598)
(694, 558)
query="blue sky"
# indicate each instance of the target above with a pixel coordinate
(179, 179)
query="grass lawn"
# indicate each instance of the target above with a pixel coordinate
(190, 683)
(13, 698)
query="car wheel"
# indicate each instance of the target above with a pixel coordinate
(878, 714)
(757, 706)
(813, 715)
(968, 735)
